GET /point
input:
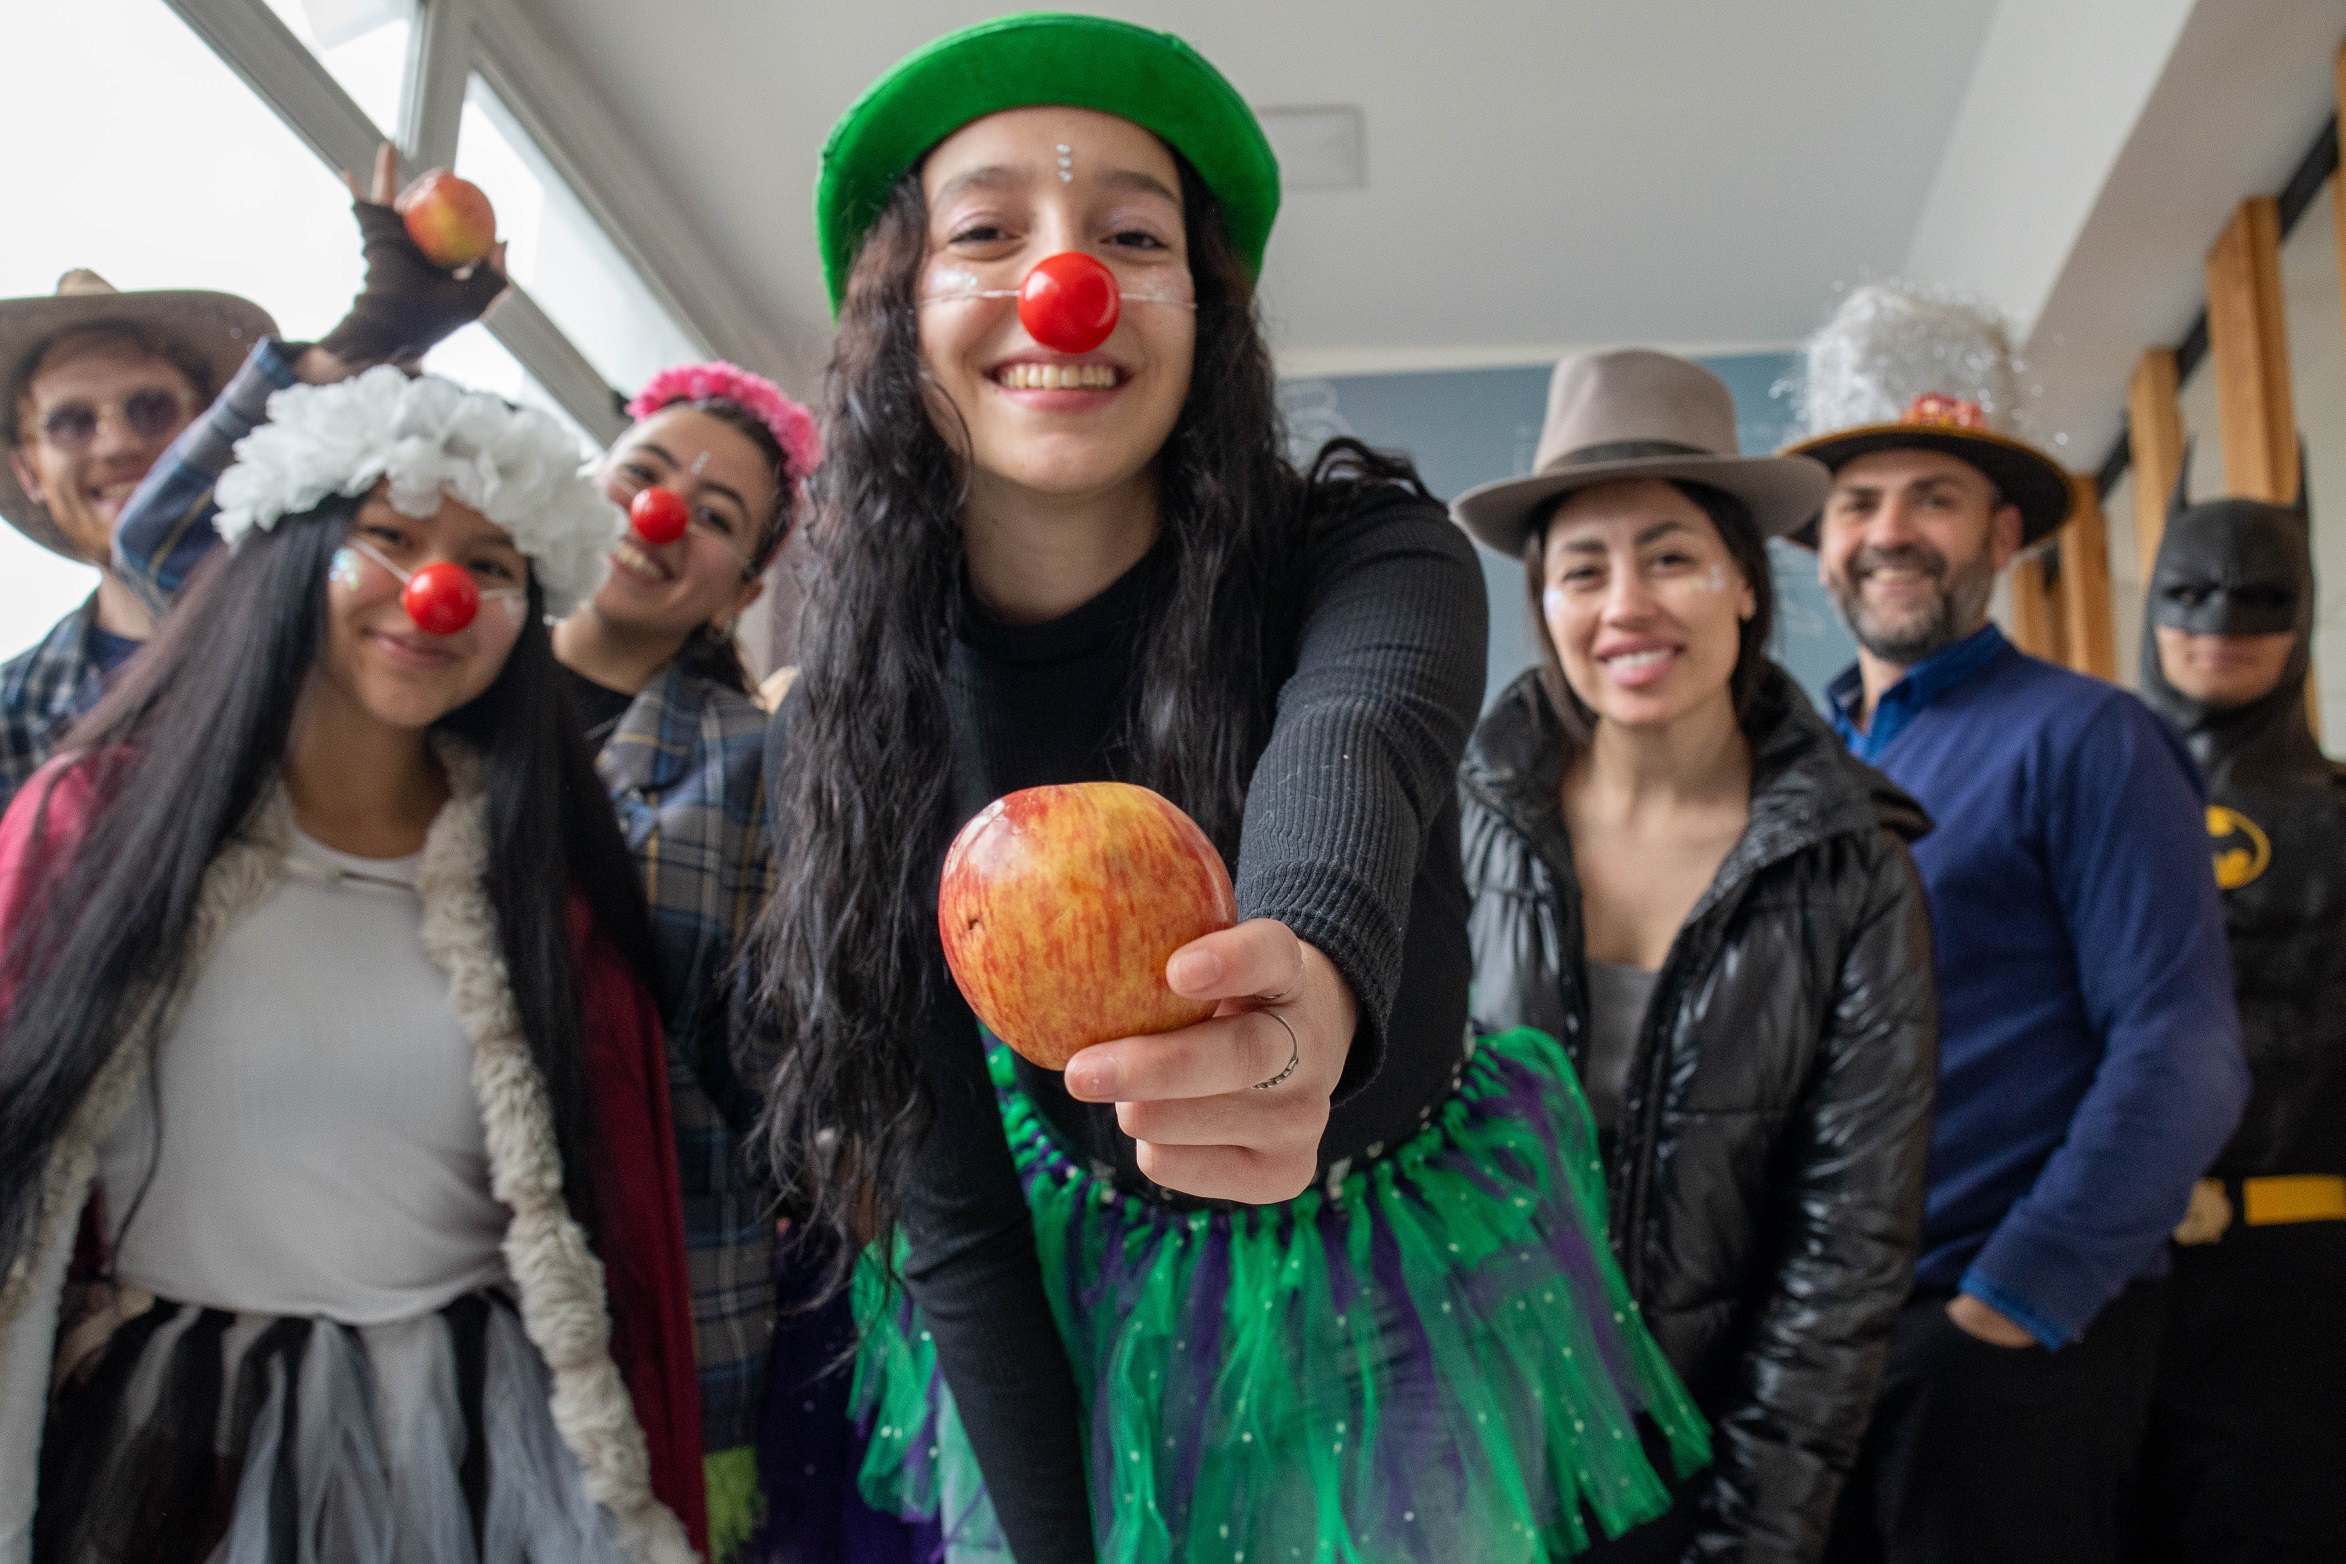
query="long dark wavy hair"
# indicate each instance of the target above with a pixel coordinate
(182, 755)
(845, 959)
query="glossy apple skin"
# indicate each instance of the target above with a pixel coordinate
(449, 219)
(1060, 906)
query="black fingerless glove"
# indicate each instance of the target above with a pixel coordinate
(406, 305)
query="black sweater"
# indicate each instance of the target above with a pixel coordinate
(1350, 838)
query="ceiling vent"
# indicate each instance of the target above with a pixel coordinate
(1318, 149)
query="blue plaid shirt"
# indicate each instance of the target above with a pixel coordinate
(42, 693)
(683, 768)
(167, 526)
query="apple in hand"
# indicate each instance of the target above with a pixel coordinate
(449, 219)
(1060, 906)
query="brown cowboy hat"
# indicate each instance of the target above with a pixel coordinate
(216, 329)
(1635, 413)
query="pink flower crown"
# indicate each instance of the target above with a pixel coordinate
(792, 425)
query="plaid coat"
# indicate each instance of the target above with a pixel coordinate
(684, 768)
(42, 692)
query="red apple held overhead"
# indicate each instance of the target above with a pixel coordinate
(449, 219)
(1060, 906)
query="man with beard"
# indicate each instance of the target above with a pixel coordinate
(2089, 1056)
(2248, 1428)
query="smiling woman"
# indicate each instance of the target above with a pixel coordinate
(395, 1128)
(1323, 1265)
(1678, 871)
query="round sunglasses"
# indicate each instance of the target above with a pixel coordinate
(150, 414)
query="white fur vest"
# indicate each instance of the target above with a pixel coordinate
(558, 1282)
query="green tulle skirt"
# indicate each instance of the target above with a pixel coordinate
(1432, 1359)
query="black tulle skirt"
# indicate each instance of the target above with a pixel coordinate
(210, 1437)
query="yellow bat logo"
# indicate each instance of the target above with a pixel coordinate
(2241, 846)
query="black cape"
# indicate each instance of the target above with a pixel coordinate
(2276, 819)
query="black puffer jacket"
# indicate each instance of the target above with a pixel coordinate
(1767, 1175)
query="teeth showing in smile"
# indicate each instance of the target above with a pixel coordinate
(1628, 661)
(1057, 377)
(637, 560)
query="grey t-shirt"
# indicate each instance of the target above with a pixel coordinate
(1617, 999)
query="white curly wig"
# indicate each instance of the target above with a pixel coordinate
(430, 438)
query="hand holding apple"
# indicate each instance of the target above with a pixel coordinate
(1088, 928)
(1059, 907)
(409, 302)
(1191, 1098)
(449, 219)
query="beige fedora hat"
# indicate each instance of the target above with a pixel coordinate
(1635, 413)
(216, 329)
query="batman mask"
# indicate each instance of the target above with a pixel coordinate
(2237, 567)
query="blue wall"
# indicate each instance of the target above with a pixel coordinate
(1468, 426)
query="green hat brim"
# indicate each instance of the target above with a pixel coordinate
(1044, 57)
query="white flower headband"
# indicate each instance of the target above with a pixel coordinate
(431, 438)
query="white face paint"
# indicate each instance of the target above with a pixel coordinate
(700, 463)
(1552, 603)
(958, 284)
(1715, 580)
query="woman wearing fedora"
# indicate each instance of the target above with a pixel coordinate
(1679, 871)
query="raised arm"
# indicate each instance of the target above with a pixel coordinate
(405, 307)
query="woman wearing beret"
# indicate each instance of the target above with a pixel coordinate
(1323, 1276)
(1679, 871)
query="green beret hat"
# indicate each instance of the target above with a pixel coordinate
(1044, 57)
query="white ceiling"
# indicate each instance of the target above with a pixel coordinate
(1698, 173)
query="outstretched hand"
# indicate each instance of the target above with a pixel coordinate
(407, 305)
(1199, 1101)
(383, 190)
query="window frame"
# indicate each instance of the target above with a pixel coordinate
(448, 42)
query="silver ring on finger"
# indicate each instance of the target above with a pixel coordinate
(1294, 1054)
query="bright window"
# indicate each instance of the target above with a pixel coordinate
(177, 176)
(559, 252)
(364, 46)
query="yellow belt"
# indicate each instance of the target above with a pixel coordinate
(2264, 1202)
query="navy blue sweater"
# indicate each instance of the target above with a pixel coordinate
(2089, 1051)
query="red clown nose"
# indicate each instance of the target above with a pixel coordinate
(441, 598)
(657, 515)
(1070, 302)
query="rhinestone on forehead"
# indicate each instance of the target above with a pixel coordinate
(1066, 164)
